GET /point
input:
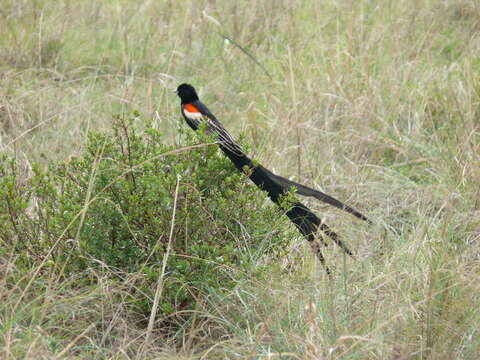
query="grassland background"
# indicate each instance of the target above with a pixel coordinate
(376, 102)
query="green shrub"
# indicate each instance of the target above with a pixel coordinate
(111, 209)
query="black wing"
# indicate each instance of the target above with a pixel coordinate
(215, 127)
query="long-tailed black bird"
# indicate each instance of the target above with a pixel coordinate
(195, 113)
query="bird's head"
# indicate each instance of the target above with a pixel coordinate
(187, 93)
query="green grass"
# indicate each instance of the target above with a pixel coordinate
(376, 102)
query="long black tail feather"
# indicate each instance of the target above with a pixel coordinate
(307, 223)
(301, 216)
(307, 191)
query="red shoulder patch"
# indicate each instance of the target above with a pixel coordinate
(191, 108)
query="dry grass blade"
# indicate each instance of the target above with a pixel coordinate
(161, 279)
(246, 52)
(64, 352)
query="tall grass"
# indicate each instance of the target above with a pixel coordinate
(376, 102)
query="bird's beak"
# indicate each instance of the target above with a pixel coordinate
(175, 91)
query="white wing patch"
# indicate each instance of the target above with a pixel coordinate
(214, 127)
(193, 115)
